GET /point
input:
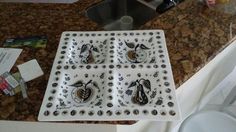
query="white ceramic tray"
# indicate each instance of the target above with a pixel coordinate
(115, 75)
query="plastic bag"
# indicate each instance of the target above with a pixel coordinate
(226, 6)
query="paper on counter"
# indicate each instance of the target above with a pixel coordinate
(30, 70)
(8, 57)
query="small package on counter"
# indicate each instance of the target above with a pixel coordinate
(32, 41)
(8, 83)
(13, 84)
(225, 6)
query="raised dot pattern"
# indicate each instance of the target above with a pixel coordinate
(109, 62)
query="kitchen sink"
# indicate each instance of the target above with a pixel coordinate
(108, 13)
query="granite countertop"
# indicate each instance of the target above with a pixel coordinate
(194, 35)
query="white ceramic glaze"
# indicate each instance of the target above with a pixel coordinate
(115, 75)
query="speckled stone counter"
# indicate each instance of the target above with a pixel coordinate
(194, 35)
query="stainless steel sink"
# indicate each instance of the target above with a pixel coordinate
(107, 13)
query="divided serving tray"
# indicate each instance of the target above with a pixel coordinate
(111, 75)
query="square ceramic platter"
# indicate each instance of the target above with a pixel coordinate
(112, 75)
